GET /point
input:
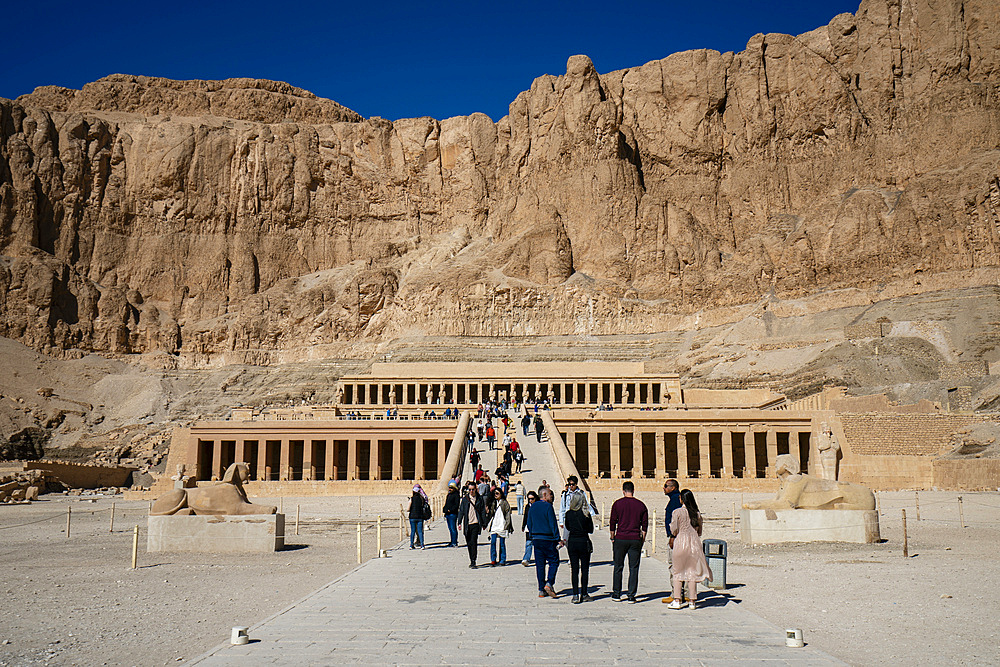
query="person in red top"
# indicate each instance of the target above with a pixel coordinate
(628, 525)
(491, 436)
(479, 473)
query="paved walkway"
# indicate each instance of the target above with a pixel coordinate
(427, 607)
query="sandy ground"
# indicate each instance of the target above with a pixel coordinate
(77, 601)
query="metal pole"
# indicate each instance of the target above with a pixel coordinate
(906, 547)
(135, 546)
(961, 514)
(359, 542)
(653, 529)
(916, 494)
(112, 528)
(734, 517)
(878, 504)
(69, 513)
(400, 525)
(378, 535)
(296, 519)
(602, 515)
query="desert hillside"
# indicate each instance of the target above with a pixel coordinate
(737, 217)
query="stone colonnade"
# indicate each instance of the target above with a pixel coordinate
(639, 392)
(321, 451)
(685, 451)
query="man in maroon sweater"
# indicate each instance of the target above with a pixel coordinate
(629, 522)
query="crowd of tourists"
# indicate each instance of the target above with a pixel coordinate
(481, 506)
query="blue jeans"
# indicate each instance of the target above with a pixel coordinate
(520, 504)
(546, 551)
(494, 538)
(452, 520)
(527, 548)
(416, 531)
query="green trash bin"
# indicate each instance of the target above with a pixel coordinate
(716, 552)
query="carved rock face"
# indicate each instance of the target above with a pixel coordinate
(238, 219)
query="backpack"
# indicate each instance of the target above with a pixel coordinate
(427, 510)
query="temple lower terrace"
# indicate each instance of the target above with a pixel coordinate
(611, 420)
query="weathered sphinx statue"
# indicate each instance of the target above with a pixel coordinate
(221, 498)
(799, 491)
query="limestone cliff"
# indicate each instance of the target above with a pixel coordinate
(249, 221)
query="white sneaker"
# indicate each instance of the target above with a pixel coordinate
(676, 604)
(691, 604)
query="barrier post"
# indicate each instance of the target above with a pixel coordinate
(652, 528)
(906, 548)
(359, 543)
(69, 513)
(602, 515)
(734, 517)
(135, 546)
(961, 514)
(112, 528)
(916, 495)
(400, 525)
(296, 519)
(378, 535)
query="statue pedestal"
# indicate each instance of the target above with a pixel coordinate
(773, 526)
(250, 533)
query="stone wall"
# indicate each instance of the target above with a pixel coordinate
(903, 434)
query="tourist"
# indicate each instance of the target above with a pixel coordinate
(519, 459)
(572, 489)
(418, 512)
(628, 525)
(480, 473)
(525, 423)
(544, 533)
(532, 497)
(579, 526)
(500, 528)
(672, 491)
(491, 436)
(538, 428)
(451, 512)
(472, 515)
(484, 484)
(688, 555)
(519, 494)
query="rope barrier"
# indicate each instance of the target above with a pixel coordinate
(48, 518)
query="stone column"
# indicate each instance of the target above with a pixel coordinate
(442, 455)
(592, 460)
(727, 453)
(660, 440)
(616, 454)
(216, 460)
(750, 454)
(308, 473)
(638, 467)
(373, 471)
(352, 459)
(397, 458)
(772, 451)
(705, 461)
(682, 455)
(329, 469)
(240, 451)
(418, 472)
(262, 459)
(283, 459)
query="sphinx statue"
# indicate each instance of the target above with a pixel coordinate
(224, 497)
(799, 491)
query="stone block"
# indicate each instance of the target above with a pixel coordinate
(773, 526)
(251, 533)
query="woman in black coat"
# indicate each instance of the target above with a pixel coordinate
(418, 507)
(579, 526)
(451, 504)
(472, 515)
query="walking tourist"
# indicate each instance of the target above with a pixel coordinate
(491, 436)
(538, 427)
(525, 423)
(472, 515)
(532, 497)
(419, 508)
(628, 525)
(579, 526)
(519, 494)
(519, 459)
(689, 562)
(572, 489)
(544, 533)
(672, 491)
(500, 528)
(450, 510)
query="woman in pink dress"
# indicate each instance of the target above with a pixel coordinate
(689, 563)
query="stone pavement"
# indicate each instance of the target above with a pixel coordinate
(421, 607)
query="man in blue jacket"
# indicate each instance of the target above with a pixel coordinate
(543, 531)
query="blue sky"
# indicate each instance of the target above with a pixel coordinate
(390, 59)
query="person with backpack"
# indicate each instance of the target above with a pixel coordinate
(451, 512)
(500, 528)
(420, 511)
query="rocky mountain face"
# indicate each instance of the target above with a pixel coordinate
(201, 223)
